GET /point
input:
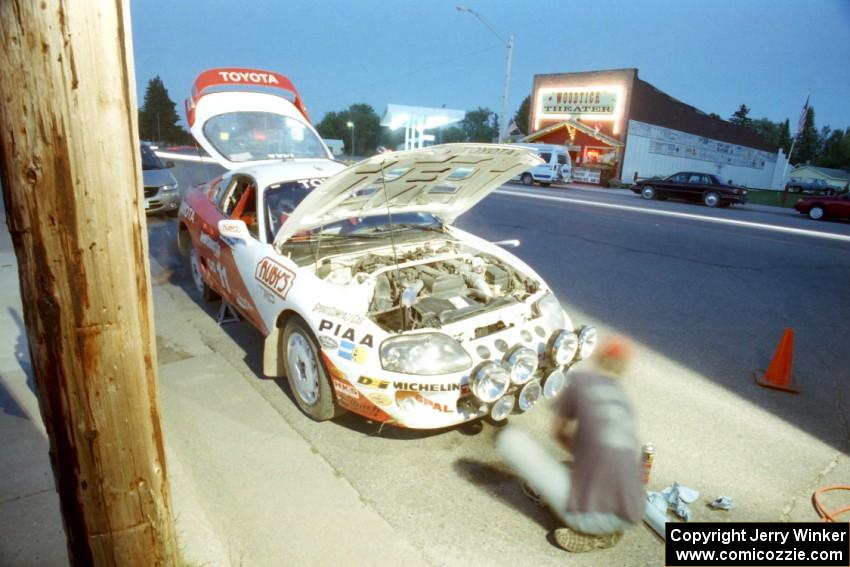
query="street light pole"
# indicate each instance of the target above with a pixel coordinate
(509, 43)
(350, 124)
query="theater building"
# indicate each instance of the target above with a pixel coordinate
(616, 125)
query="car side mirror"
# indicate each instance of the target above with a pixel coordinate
(512, 243)
(235, 229)
(169, 164)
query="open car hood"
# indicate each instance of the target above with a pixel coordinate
(444, 181)
(247, 117)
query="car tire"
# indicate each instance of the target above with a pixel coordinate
(205, 291)
(305, 371)
(711, 199)
(817, 213)
(527, 179)
(648, 192)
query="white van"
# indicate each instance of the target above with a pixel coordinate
(558, 166)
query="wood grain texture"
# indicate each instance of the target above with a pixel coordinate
(71, 175)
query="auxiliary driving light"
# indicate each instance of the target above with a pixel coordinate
(503, 408)
(554, 383)
(564, 347)
(491, 381)
(523, 363)
(529, 395)
(587, 339)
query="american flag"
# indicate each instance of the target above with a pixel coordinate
(802, 122)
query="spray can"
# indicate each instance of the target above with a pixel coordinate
(647, 455)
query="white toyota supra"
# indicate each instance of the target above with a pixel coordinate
(368, 298)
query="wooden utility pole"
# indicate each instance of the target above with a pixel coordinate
(69, 152)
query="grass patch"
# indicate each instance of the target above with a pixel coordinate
(772, 198)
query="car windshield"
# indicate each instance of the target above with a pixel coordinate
(282, 198)
(250, 136)
(150, 160)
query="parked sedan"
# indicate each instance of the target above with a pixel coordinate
(692, 186)
(162, 193)
(823, 206)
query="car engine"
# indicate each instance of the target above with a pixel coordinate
(429, 286)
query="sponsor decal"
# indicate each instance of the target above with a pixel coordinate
(380, 399)
(211, 244)
(344, 333)
(275, 277)
(229, 226)
(349, 351)
(345, 389)
(328, 342)
(187, 212)
(220, 272)
(436, 406)
(413, 386)
(357, 403)
(329, 311)
(243, 303)
(247, 77)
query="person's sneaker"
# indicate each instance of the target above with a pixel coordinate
(578, 542)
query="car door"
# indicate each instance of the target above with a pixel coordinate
(223, 259)
(671, 187)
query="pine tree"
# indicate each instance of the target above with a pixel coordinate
(522, 115)
(158, 116)
(807, 143)
(784, 140)
(740, 116)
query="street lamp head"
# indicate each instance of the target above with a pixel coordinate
(350, 124)
(462, 8)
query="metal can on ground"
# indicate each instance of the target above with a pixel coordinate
(647, 455)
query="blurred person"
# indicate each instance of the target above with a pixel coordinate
(600, 494)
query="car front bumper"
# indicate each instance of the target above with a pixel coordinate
(162, 202)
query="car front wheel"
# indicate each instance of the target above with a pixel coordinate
(305, 372)
(527, 179)
(648, 192)
(711, 199)
(817, 213)
(205, 291)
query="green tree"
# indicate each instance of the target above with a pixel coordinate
(522, 115)
(364, 132)
(836, 150)
(158, 116)
(784, 139)
(767, 129)
(480, 125)
(807, 142)
(741, 116)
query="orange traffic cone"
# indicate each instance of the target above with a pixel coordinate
(778, 374)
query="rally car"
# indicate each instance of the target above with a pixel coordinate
(368, 298)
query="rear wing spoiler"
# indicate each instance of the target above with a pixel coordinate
(242, 78)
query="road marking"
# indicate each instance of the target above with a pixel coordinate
(747, 224)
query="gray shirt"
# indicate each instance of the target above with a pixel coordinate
(606, 474)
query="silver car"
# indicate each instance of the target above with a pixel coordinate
(162, 194)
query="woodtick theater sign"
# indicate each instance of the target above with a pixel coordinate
(578, 102)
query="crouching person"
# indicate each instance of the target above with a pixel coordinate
(600, 495)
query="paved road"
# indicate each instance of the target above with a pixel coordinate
(705, 296)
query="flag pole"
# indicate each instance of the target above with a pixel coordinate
(801, 123)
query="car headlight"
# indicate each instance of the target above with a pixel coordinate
(554, 383)
(550, 309)
(564, 347)
(522, 363)
(168, 188)
(503, 408)
(491, 381)
(587, 339)
(426, 354)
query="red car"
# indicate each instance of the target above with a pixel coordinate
(823, 207)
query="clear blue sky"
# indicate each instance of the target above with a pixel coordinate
(712, 54)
